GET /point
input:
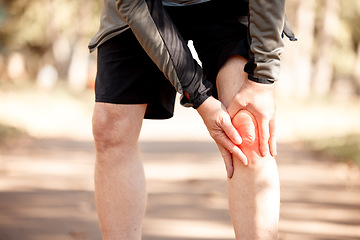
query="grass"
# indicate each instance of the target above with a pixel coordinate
(328, 126)
(344, 149)
(9, 133)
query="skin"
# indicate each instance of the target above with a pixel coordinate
(253, 190)
(258, 99)
(120, 191)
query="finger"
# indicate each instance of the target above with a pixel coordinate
(272, 140)
(225, 142)
(231, 131)
(238, 154)
(264, 136)
(226, 155)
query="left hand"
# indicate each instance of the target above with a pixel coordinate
(219, 125)
(259, 100)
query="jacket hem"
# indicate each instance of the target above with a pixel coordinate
(260, 80)
(105, 37)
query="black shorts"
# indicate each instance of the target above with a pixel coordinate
(126, 74)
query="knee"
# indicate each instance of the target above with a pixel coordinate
(103, 131)
(245, 123)
(101, 128)
(111, 130)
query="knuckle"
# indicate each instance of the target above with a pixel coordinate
(265, 136)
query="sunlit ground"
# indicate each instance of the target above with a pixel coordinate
(46, 186)
(58, 113)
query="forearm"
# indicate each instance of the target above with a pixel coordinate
(266, 23)
(164, 45)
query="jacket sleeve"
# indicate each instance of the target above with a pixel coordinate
(162, 42)
(266, 24)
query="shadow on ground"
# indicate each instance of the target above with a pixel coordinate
(46, 192)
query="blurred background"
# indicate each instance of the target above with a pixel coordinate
(43, 48)
(46, 98)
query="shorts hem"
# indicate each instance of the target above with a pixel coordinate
(155, 111)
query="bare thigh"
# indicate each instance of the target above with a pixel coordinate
(230, 78)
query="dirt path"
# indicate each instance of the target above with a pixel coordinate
(46, 192)
(46, 183)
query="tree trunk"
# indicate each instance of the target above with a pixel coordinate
(79, 65)
(305, 32)
(357, 71)
(323, 70)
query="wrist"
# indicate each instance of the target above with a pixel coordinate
(196, 102)
(205, 105)
(260, 80)
(260, 86)
(200, 100)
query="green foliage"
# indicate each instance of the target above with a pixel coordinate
(347, 39)
(31, 27)
(9, 133)
(37, 23)
(344, 149)
(350, 15)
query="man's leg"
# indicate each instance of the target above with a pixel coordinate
(253, 191)
(120, 192)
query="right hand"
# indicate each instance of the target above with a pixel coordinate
(227, 138)
(259, 100)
